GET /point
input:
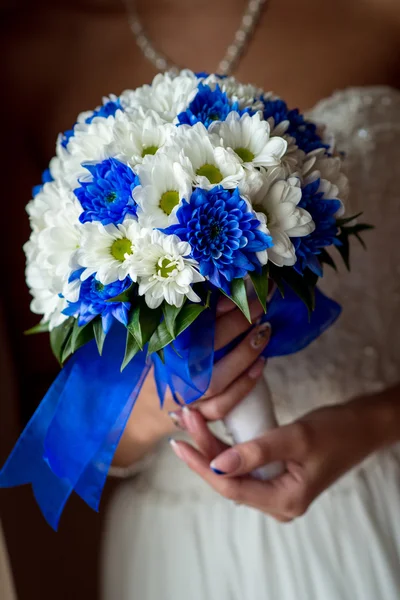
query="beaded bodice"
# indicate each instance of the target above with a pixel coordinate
(360, 354)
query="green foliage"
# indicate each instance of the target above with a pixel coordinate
(346, 231)
(170, 314)
(131, 349)
(143, 321)
(39, 328)
(261, 285)
(239, 296)
(162, 336)
(302, 285)
(325, 258)
(99, 334)
(59, 337)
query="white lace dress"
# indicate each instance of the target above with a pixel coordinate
(169, 536)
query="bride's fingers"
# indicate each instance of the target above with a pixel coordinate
(195, 424)
(224, 306)
(233, 323)
(283, 443)
(236, 362)
(218, 407)
(266, 496)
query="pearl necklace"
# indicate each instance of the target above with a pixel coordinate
(234, 52)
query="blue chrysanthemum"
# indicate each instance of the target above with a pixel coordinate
(304, 132)
(209, 105)
(106, 110)
(322, 211)
(108, 197)
(93, 301)
(46, 178)
(223, 233)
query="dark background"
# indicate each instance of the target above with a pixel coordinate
(45, 564)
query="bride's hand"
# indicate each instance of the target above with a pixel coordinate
(317, 450)
(233, 378)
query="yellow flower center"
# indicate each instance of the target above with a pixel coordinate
(165, 267)
(149, 150)
(213, 174)
(244, 154)
(121, 247)
(168, 201)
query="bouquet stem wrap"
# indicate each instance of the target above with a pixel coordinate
(250, 419)
(69, 443)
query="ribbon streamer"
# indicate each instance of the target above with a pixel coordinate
(69, 443)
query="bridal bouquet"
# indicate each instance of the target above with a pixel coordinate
(156, 203)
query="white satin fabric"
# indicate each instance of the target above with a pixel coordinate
(168, 536)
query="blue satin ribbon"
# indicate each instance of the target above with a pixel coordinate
(69, 443)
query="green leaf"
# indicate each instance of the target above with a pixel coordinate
(161, 355)
(341, 222)
(188, 314)
(125, 296)
(239, 296)
(343, 237)
(78, 338)
(170, 314)
(344, 248)
(300, 286)
(162, 337)
(67, 351)
(39, 328)
(99, 334)
(175, 350)
(275, 274)
(261, 284)
(143, 321)
(81, 335)
(311, 278)
(59, 337)
(325, 258)
(131, 349)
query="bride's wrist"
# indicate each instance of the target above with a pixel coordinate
(379, 417)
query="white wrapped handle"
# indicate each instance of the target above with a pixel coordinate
(250, 419)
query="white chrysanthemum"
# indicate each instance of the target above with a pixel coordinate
(54, 215)
(334, 183)
(46, 291)
(168, 95)
(249, 137)
(106, 249)
(59, 241)
(91, 142)
(165, 270)
(135, 138)
(52, 197)
(278, 200)
(164, 183)
(207, 162)
(246, 95)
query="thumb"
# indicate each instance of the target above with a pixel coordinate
(280, 444)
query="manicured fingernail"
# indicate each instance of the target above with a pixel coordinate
(176, 418)
(217, 471)
(260, 336)
(227, 462)
(257, 369)
(176, 448)
(186, 415)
